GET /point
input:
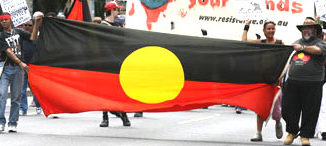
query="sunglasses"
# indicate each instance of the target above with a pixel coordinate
(27, 24)
(116, 9)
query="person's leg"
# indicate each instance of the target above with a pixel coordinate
(291, 109)
(4, 83)
(138, 114)
(105, 121)
(24, 104)
(277, 115)
(37, 104)
(15, 88)
(258, 136)
(321, 128)
(125, 119)
(310, 110)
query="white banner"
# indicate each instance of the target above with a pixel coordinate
(220, 18)
(18, 10)
(321, 9)
(251, 9)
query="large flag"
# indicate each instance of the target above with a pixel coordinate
(89, 67)
(79, 11)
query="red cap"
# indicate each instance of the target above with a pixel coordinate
(111, 5)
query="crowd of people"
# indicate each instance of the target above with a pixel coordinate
(302, 84)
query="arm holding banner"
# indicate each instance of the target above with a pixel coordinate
(38, 16)
(245, 33)
(309, 49)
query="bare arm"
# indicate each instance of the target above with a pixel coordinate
(38, 22)
(245, 34)
(14, 58)
(309, 49)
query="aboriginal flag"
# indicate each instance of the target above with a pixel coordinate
(79, 11)
(82, 67)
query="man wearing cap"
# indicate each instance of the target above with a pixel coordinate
(13, 71)
(111, 12)
(303, 88)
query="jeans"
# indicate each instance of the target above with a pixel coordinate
(37, 104)
(12, 75)
(24, 104)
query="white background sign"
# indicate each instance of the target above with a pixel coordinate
(218, 17)
(18, 10)
(251, 9)
(321, 9)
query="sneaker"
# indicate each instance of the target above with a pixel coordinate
(38, 110)
(12, 129)
(138, 114)
(22, 113)
(258, 137)
(323, 135)
(289, 139)
(104, 123)
(238, 110)
(305, 141)
(278, 130)
(2, 128)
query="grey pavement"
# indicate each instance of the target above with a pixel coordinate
(202, 127)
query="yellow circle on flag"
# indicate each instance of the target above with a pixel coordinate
(152, 75)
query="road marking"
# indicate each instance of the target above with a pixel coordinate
(199, 119)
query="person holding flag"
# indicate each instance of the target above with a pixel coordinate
(111, 11)
(269, 31)
(303, 88)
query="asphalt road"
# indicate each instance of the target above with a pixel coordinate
(202, 127)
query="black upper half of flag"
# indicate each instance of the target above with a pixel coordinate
(96, 47)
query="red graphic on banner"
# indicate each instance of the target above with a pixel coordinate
(132, 10)
(182, 13)
(153, 14)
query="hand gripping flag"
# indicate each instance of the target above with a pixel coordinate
(90, 67)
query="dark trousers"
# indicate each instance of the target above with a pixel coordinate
(301, 97)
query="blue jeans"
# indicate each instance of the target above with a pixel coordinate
(24, 104)
(37, 104)
(14, 76)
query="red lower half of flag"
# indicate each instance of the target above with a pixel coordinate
(62, 90)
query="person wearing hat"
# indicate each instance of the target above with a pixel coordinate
(303, 88)
(111, 12)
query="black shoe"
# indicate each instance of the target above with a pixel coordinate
(138, 114)
(104, 123)
(125, 119)
(323, 135)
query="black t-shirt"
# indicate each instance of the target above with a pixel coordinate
(111, 23)
(3, 45)
(308, 67)
(14, 41)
